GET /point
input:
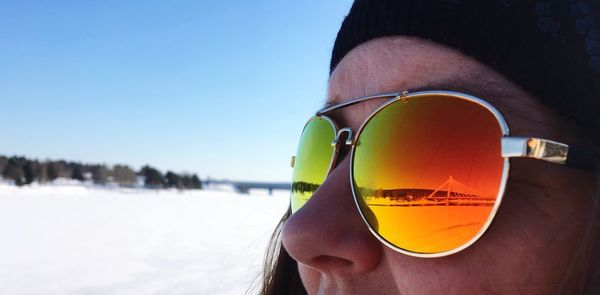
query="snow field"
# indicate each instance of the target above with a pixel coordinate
(67, 239)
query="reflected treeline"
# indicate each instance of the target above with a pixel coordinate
(423, 197)
(413, 194)
(401, 195)
(304, 187)
(409, 195)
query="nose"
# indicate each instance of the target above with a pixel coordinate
(328, 233)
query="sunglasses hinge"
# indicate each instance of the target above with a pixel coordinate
(532, 147)
(403, 96)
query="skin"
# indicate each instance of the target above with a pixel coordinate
(531, 245)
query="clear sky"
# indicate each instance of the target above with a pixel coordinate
(219, 88)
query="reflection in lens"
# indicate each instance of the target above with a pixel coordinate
(427, 172)
(313, 158)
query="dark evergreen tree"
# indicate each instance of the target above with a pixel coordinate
(52, 171)
(195, 183)
(173, 180)
(100, 174)
(14, 171)
(30, 171)
(3, 161)
(191, 181)
(153, 177)
(186, 180)
(78, 172)
(64, 170)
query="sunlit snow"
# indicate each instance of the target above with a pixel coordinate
(72, 239)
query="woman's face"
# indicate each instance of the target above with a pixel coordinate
(532, 242)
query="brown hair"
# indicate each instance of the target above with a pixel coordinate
(280, 272)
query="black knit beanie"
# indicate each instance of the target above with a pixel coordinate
(550, 48)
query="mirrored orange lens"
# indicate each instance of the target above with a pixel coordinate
(427, 172)
(313, 159)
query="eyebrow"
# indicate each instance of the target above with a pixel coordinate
(456, 86)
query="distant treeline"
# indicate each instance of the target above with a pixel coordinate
(24, 171)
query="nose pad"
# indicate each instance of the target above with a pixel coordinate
(349, 138)
(340, 151)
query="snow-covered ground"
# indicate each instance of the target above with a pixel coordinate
(72, 239)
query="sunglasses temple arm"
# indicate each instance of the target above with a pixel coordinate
(550, 151)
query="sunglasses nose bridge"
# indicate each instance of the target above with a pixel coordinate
(349, 137)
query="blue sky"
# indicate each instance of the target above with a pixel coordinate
(220, 88)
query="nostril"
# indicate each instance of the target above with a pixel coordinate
(332, 262)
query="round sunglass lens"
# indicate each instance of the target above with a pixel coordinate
(312, 160)
(427, 172)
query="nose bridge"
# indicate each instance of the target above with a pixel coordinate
(349, 136)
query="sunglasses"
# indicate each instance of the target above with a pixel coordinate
(428, 169)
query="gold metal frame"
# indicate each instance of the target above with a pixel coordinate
(531, 147)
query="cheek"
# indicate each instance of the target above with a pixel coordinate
(540, 224)
(545, 209)
(455, 274)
